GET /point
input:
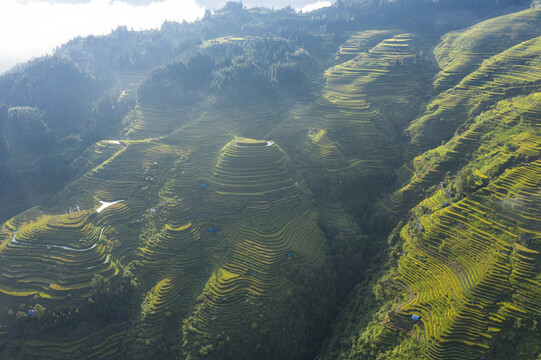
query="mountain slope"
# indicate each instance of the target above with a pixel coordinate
(266, 193)
(466, 262)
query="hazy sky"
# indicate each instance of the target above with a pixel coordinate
(32, 28)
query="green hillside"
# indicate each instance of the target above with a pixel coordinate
(273, 188)
(466, 260)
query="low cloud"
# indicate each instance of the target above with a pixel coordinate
(32, 28)
(314, 6)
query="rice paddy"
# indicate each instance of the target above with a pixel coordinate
(513, 71)
(467, 265)
(210, 204)
(354, 123)
(50, 256)
(463, 51)
(465, 260)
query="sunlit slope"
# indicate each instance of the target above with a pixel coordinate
(515, 71)
(360, 42)
(173, 246)
(56, 256)
(203, 211)
(177, 263)
(461, 52)
(364, 105)
(358, 92)
(468, 266)
(153, 201)
(149, 122)
(133, 167)
(53, 256)
(511, 72)
(200, 210)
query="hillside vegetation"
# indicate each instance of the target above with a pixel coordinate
(276, 185)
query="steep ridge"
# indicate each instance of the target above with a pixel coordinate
(466, 263)
(511, 72)
(464, 285)
(514, 71)
(498, 219)
(217, 217)
(461, 52)
(266, 222)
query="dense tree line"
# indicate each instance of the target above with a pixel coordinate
(55, 85)
(263, 67)
(106, 117)
(23, 129)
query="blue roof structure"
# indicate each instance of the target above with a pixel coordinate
(212, 229)
(31, 312)
(415, 317)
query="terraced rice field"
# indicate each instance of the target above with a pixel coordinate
(56, 256)
(224, 40)
(514, 70)
(132, 168)
(360, 42)
(52, 256)
(176, 262)
(463, 51)
(467, 269)
(128, 83)
(359, 91)
(468, 266)
(210, 203)
(165, 120)
(354, 123)
(507, 133)
(245, 190)
(262, 214)
(319, 149)
(508, 73)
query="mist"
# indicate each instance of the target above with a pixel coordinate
(34, 28)
(314, 6)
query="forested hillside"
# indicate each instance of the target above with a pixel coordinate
(358, 182)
